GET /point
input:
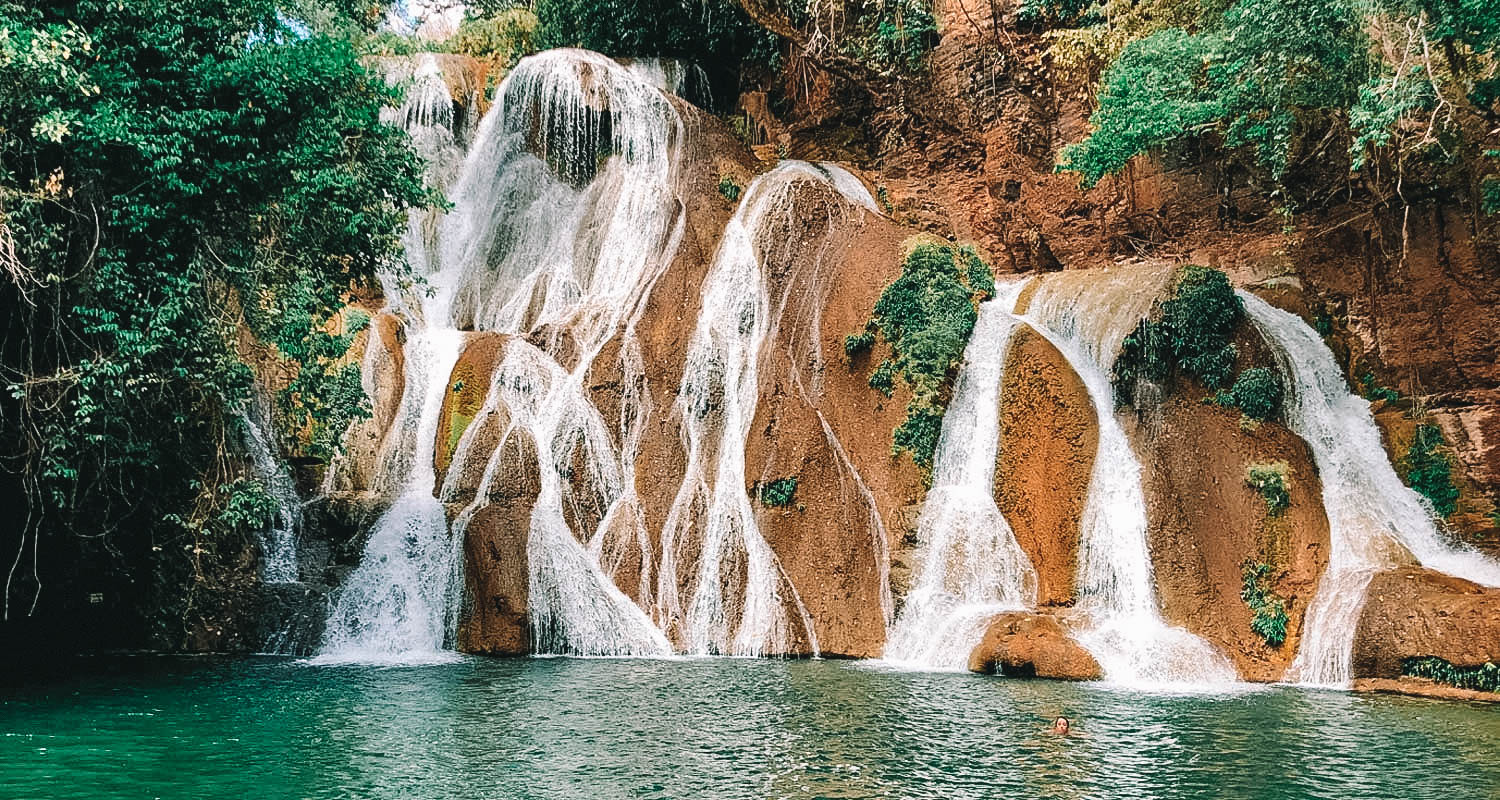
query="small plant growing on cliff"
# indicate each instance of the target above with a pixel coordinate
(1428, 470)
(729, 188)
(856, 343)
(1373, 391)
(1257, 392)
(981, 278)
(926, 316)
(1271, 483)
(1268, 612)
(778, 493)
(1483, 678)
(1188, 333)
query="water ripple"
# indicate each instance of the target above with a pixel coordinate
(710, 728)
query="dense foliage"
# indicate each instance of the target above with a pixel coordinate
(1270, 482)
(1257, 392)
(1268, 617)
(1398, 91)
(1483, 678)
(181, 180)
(1428, 470)
(1188, 334)
(713, 34)
(926, 316)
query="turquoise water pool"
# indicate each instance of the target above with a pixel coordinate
(708, 728)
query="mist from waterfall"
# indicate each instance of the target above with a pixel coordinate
(970, 565)
(1086, 315)
(1375, 522)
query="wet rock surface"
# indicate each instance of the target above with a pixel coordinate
(1412, 612)
(1027, 645)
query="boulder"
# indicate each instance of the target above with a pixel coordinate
(1411, 612)
(1023, 644)
(495, 620)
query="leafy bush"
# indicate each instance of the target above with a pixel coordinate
(883, 379)
(856, 343)
(1429, 471)
(895, 36)
(1251, 75)
(729, 189)
(505, 37)
(1268, 612)
(926, 316)
(1189, 333)
(178, 183)
(981, 278)
(778, 493)
(1373, 391)
(715, 34)
(1485, 678)
(1257, 392)
(1270, 481)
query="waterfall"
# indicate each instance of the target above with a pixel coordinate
(1375, 522)
(574, 605)
(566, 208)
(565, 214)
(395, 606)
(1085, 316)
(279, 541)
(735, 604)
(971, 567)
(679, 78)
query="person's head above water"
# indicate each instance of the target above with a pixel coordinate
(1060, 725)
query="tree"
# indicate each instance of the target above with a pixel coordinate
(176, 174)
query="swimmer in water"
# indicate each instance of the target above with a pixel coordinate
(1060, 726)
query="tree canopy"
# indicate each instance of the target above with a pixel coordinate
(177, 174)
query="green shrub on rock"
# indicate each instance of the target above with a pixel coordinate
(926, 315)
(1268, 612)
(1188, 334)
(1483, 678)
(778, 493)
(1257, 392)
(1271, 483)
(1429, 471)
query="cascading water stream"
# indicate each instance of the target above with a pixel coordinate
(971, 565)
(1086, 315)
(395, 606)
(279, 543)
(736, 604)
(1375, 521)
(566, 213)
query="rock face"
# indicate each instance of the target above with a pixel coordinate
(1048, 437)
(840, 544)
(1029, 645)
(380, 352)
(1205, 522)
(495, 528)
(1412, 612)
(818, 420)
